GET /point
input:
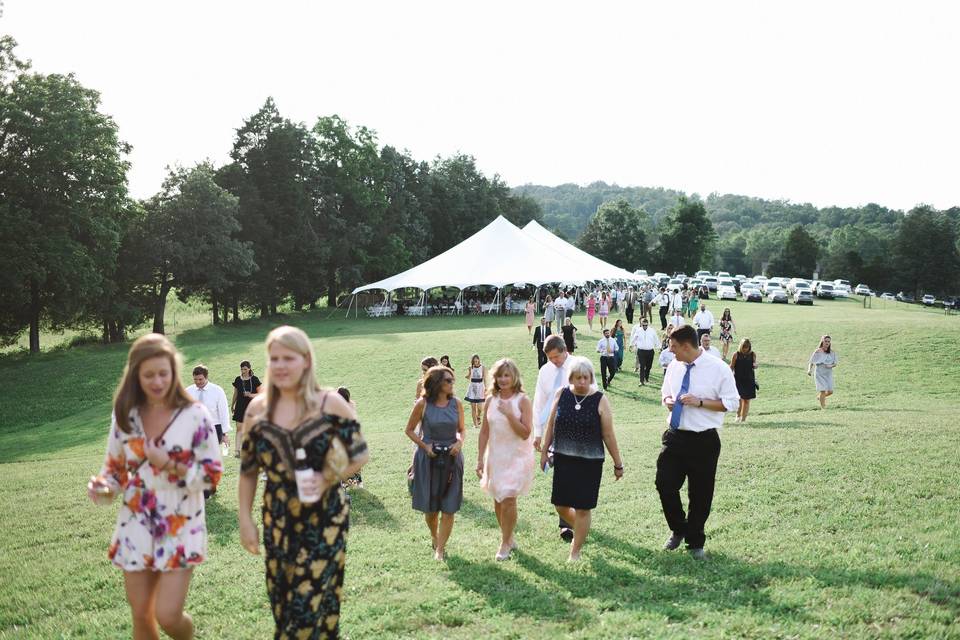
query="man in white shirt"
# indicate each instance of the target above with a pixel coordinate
(645, 340)
(677, 319)
(707, 348)
(560, 307)
(553, 376)
(703, 320)
(570, 305)
(663, 301)
(607, 347)
(214, 399)
(697, 390)
(676, 302)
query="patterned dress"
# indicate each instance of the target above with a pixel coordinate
(726, 330)
(162, 523)
(475, 390)
(305, 544)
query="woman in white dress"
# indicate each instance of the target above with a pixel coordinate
(824, 359)
(476, 393)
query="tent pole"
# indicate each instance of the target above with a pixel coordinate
(460, 300)
(352, 300)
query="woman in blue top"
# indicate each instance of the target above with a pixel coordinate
(580, 424)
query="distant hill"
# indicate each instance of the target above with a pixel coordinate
(568, 207)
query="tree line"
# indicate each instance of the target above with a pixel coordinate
(298, 213)
(659, 229)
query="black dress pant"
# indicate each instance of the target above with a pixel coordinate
(663, 317)
(690, 456)
(629, 312)
(541, 356)
(645, 360)
(607, 364)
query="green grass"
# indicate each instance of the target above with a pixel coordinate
(837, 523)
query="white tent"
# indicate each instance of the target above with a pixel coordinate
(500, 254)
(595, 267)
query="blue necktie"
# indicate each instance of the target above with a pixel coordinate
(677, 405)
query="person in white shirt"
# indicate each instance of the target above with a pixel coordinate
(607, 347)
(214, 399)
(697, 390)
(666, 357)
(570, 305)
(703, 321)
(676, 301)
(663, 302)
(552, 377)
(677, 319)
(707, 348)
(645, 340)
(560, 307)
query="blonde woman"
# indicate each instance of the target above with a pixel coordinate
(823, 361)
(505, 463)
(305, 542)
(162, 453)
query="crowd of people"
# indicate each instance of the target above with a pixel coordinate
(166, 447)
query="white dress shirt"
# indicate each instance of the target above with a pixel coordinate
(666, 357)
(703, 319)
(663, 300)
(710, 379)
(215, 400)
(607, 346)
(677, 302)
(547, 386)
(677, 321)
(712, 351)
(644, 339)
(571, 304)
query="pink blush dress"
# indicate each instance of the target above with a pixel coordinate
(508, 467)
(591, 308)
(529, 313)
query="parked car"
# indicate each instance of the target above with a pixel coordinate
(904, 297)
(950, 302)
(726, 290)
(825, 291)
(887, 296)
(723, 275)
(701, 274)
(803, 296)
(675, 284)
(776, 294)
(863, 290)
(928, 300)
(840, 283)
(640, 273)
(796, 283)
(751, 293)
(711, 282)
(840, 291)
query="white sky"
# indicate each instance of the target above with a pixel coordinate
(825, 102)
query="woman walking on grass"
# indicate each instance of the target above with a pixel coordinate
(591, 310)
(425, 366)
(580, 424)
(618, 335)
(245, 387)
(162, 453)
(475, 390)
(505, 463)
(438, 463)
(743, 364)
(297, 425)
(727, 329)
(824, 359)
(529, 310)
(604, 309)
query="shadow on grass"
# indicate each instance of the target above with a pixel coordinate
(480, 514)
(222, 522)
(368, 510)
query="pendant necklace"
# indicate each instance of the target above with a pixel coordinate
(578, 400)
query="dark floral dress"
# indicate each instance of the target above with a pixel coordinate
(305, 544)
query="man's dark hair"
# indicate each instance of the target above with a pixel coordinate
(685, 335)
(201, 370)
(554, 343)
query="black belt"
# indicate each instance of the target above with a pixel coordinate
(476, 379)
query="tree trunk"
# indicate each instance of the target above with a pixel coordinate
(332, 289)
(160, 307)
(216, 308)
(225, 309)
(34, 317)
(273, 308)
(236, 307)
(105, 332)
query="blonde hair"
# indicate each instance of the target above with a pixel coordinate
(129, 393)
(501, 365)
(309, 392)
(580, 366)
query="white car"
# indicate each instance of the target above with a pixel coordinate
(723, 275)
(928, 300)
(887, 296)
(675, 284)
(701, 274)
(711, 282)
(863, 290)
(776, 294)
(726, 290)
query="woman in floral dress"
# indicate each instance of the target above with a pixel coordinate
(305, 542)
(162, 453)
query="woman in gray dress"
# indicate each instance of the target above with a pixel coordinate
(438, 463)
(825, 360)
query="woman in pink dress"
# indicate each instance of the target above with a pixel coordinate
(591, 310)
(505, 463)
(529, 310)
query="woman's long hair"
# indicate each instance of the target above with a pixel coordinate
(726, 314)
(498, 367)
(129, 393)
(309, 392)
(433, 382)
(826, 348)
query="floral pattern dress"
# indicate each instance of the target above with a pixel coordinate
(305, 544)
(162, 522)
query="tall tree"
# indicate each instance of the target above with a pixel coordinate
(616, 234)
(798, 256)
(926, 255)
(687, 238)
(186, 238)
(63, 188)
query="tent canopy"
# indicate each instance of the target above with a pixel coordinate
(500, 254)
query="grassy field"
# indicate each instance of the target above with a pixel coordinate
(836, 523)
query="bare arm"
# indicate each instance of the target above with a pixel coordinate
(247, 486)
(461, 430)
(233, 401)
(548, 432)
(483, 437)
(521, 424)
(337, 406)
(415, 417)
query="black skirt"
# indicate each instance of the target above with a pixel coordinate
(576, 481)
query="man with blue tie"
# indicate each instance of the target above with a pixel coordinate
(697, 390)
